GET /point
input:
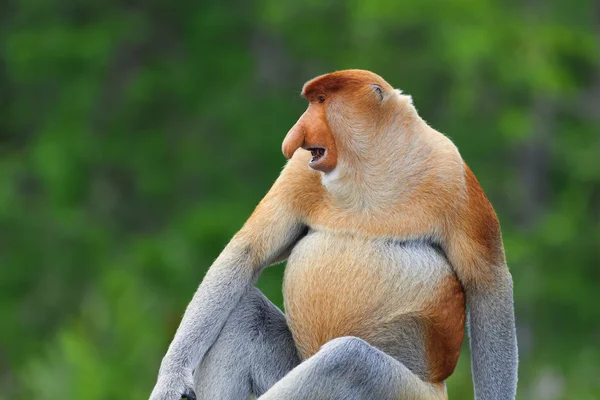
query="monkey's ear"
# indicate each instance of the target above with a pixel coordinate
(378, 90)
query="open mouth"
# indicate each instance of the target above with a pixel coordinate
(317, 153)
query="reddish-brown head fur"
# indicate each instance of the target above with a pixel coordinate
(312, 131)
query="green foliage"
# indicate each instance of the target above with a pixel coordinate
(136, 138)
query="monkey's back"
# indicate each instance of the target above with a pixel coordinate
(402, 297)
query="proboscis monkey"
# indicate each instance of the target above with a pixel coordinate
(388, 238)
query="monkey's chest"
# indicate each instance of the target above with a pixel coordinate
(379, 290)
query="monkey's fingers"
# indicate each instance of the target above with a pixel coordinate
(189, 394)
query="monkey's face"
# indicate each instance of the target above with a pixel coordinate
(344, 112)
(312, 133)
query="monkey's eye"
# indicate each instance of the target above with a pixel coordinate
(378, 90)
(321, 99)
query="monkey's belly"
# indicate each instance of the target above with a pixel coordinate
(402, 298)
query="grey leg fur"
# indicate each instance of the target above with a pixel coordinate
(254, 350)
(348, 368)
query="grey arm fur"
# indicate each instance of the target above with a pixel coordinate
(269, 232)
(220, 291)
(493, 340)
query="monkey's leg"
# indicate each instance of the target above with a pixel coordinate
(254, 350)
(348, 368)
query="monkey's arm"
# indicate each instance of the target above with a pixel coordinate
(492, 335)
(477, 254)
(271, 230)
(491, 321)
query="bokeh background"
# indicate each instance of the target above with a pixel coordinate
(137, 136)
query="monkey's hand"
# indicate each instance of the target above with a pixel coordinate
(173, 387)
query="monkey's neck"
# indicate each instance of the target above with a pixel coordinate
(391, 168)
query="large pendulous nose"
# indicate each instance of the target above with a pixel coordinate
(293, 140)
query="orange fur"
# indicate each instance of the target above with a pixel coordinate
(346, 80)
(476, 243)
(445, 329)
(312, 130)
(390, 176)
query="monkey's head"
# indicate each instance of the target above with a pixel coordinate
(346, 111)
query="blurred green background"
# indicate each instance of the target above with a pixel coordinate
(137, 136)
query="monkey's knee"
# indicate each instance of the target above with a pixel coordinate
(256, 318)
(349, 355)
(345, 344)
(254, 346)
(367, 372)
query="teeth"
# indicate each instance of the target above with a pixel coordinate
(317, 153)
